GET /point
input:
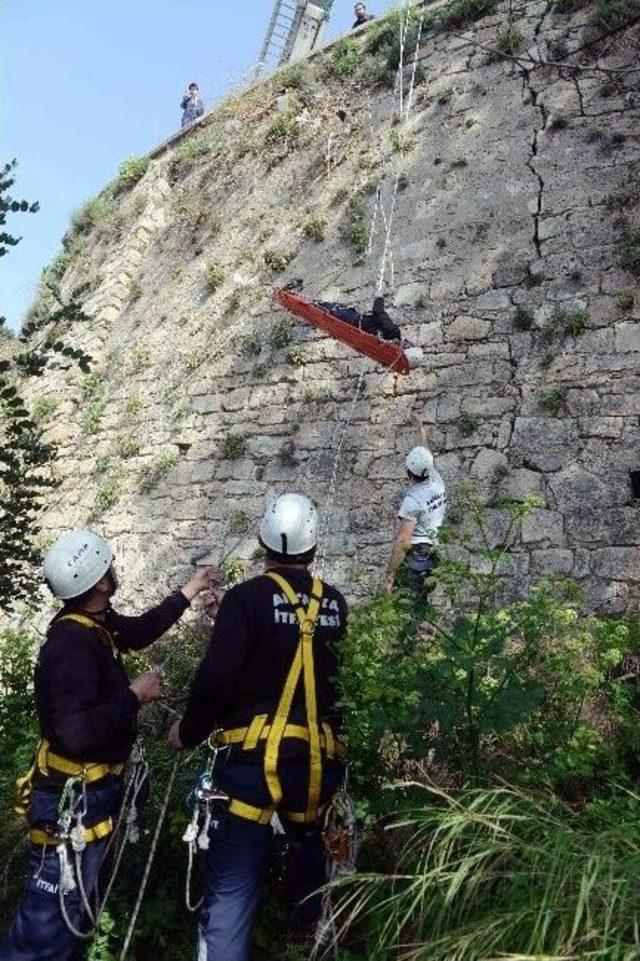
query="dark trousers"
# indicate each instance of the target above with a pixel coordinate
(239, 853)
(417, 567)
(38, 931)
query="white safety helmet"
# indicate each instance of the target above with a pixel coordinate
(420, 462)
(290, 525)
(75, 563)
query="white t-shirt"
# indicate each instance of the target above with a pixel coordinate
(425, 504)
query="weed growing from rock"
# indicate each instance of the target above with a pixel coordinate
(128, 447)
(626, 300)
(135, 290)
(346, 57)
(238, 522)
(354, 230)
(281, 335)
(285, 127)
(566, 320)
(152, 474)
(107, 496)
(43, 408)
(214, 276)
(552, 399)
(467, 423)
(278, 260)
(131, 171)
(315, 229)
(233, 447)
(523, 318)
(509, 42)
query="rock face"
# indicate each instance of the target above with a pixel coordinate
(510, 260)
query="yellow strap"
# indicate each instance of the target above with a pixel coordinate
(240, 735)
(254, 732)
(87, 622)
(302, 664)
(251, 813)
(89, 772)
(96, 833)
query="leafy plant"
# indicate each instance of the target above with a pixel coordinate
(315, 229)
(214, 275)
(297, 355)
(467, 423)
(131, 171)
(566, 320)
(281, 334)
(401, 141)
(238, 522)
(459, 13)
(152, 474)
(346, 57)
(354, 230)
(43, 408)
(108, 495)
(278, 260)
(523, 318)
(135, 290)
(552, 399)
(233, 447)
(284, 128)
(509, 41)
(626, 300)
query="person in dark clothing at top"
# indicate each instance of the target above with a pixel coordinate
(87, 712)
(191, 105)
(362, 16)
(266, 687)
(376, 322)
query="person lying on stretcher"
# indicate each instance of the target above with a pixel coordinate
(378, 322)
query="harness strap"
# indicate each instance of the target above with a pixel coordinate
(303, 664)
(263, 815)
(249, 738)
(85, 621)
(101, 830)
(46, 761)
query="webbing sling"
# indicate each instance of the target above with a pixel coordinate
(104, 634)
(302, 665)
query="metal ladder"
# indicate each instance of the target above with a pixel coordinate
(281, 31)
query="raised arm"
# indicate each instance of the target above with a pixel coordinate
(401, 544)
(422, 429)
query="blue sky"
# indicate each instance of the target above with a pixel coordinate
(86, 83)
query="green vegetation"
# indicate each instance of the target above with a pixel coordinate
(509, 41)
(626, 299)
(523, 318)
(287, 455)
(251, 345)
(214, 274)
(401, 141)
(108, 495)
(128, 447)
(596, 134)
(297, 355)
(346, 57)
(441, 243)
(55, 271)
(460, 13)
(238, 522)
(284, 128)
(533, 278)
(281, 334)
(152, 474)
(467, 423)
(133, 404)
(135, 290)
(131, 171)
(354, 230)
(630, 250)
(576, 274)
(564, 321)
(422, 301)
(552, 399)
(559, 122)
(43, 408)
(459, 163)
(278, 260)
(233, 447)
(315, 229)
(94, 213)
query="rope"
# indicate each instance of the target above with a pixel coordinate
(150, 859)
(386, 258)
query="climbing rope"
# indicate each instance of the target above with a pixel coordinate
(150, 860)
(342, 428)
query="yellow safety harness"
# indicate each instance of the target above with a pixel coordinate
(318, 735)
(47, 761)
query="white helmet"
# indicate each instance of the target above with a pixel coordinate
(75, 563)
(420, 462)
(290, 525)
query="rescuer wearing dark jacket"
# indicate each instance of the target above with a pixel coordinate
(87, 711)
(266, 686)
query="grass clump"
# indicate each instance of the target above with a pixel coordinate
(596, 134)
(107, 496)
(509, 42)
(533, 278)
(94, 213)
(315, 229)
(214, 274)
(152, 474)
(297, 355)
(559, 122)
(238, 522)
(284, 128)
(131, 171)
(43, 408)
(128, 447)
(354, 230)
(233, 447)
(281, 334)
(467, 423)
(566, 320)
(523, 318)
(55, 271)
(346, 57)
(630, 250)
(278, 260)
(251, 345)
(460, 13)
(135, 290)
(552, 399)
(401, 141)
(133, 404)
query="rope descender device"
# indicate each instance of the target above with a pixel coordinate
(203, 798)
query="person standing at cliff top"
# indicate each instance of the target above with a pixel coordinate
(362, 16)
(421, 515)
(191, 106)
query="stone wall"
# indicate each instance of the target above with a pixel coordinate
(516, 200)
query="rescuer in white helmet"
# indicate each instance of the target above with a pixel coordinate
(421, 515)
(87, 712)
(266, 688)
